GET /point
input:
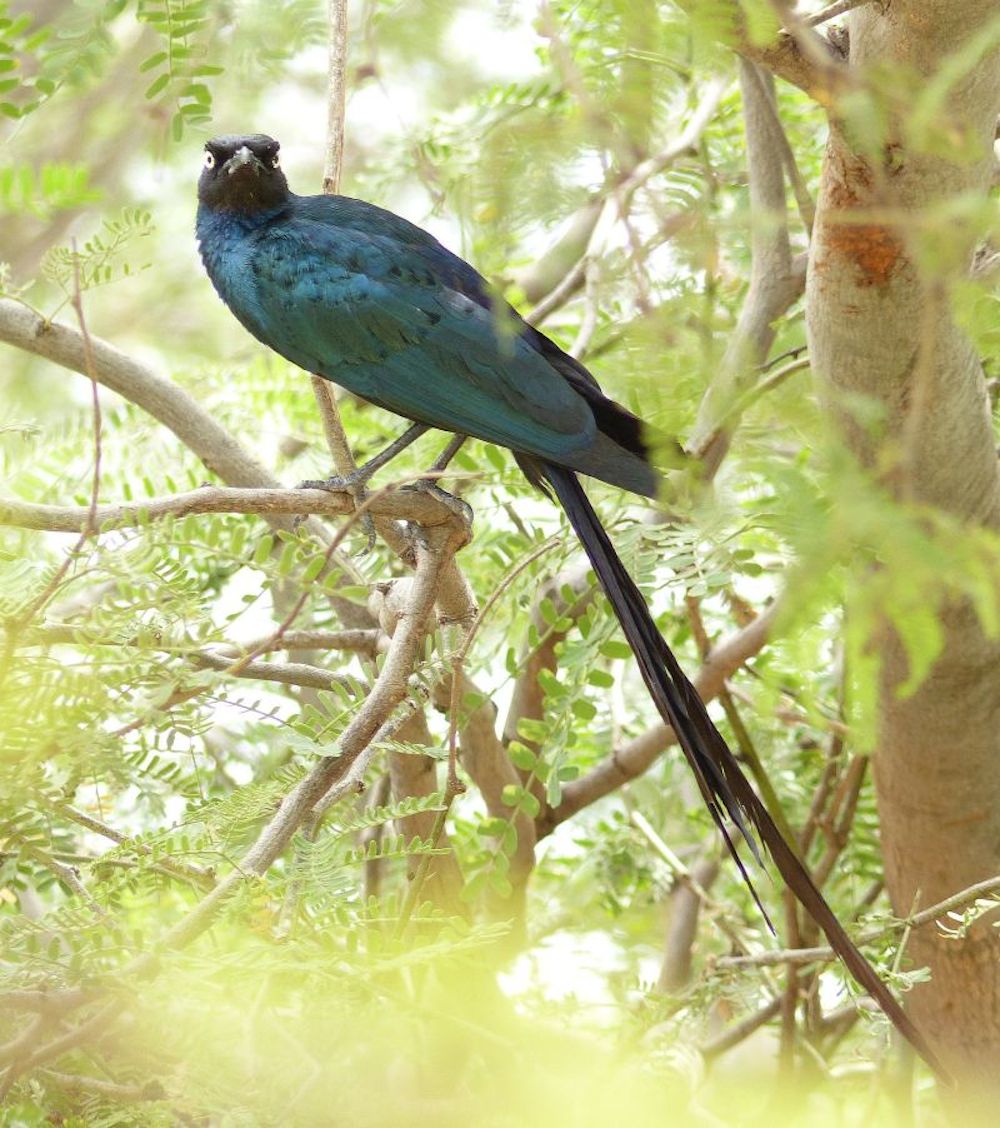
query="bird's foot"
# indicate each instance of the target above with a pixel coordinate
(461, 509)
(354, 484)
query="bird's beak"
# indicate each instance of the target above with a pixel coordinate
(242, 159)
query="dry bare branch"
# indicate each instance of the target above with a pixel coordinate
(961, 900)
(398, 504)
(774, 282)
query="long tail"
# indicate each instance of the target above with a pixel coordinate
(719, 775)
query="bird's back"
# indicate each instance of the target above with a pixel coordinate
(367, 299)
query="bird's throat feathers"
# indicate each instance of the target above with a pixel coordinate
(226, 252)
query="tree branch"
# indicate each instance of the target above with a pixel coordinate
(136, 382)
(591, 225)
(774, 284)
(284, 673)
(220, 658)
(165, 401)
(186, 871)
(336, 99)
(357, 641)
(817, 69)
(960, 900)
(641, 753)
(399, 504)
(736, 1032)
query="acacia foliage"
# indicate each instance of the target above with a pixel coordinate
(308, 994)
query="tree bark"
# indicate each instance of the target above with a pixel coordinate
(880, 328)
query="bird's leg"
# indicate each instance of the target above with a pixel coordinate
(427, 485)
(358, 478)
(362, 474)
(447, 454)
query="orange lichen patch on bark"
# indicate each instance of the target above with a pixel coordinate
(873, 248)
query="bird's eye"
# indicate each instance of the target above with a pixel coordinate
(275, 161)
(209, 159)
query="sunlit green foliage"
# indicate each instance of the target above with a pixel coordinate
(313, 1000)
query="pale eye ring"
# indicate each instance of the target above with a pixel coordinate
(275, 161)
(209, 159)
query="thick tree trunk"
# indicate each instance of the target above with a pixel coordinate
(880, 328)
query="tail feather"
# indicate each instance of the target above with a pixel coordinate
(719, 775)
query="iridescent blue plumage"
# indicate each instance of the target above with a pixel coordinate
(360, 296)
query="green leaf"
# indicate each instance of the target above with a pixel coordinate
(601, 678)
(583, 709)
(511, 794)
(530, 728)
(529, 804)
(521, 756)
(151, 61)
(157, 86)
(262, 553)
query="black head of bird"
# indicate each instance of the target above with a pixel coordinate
(242, 174)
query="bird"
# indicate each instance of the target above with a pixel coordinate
(359, 295)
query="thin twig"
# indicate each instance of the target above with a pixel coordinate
(284, 673)
(69, 875)
(462, 654)
(619, 195)
(336, 99)
(236, 666)
(739, 1031)
(356, 641)
(184, 870)
(326, 399)
(24, 617)
(560, 295)
(823, 954)
(832, 11)
(352, 641)
(601, 123)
